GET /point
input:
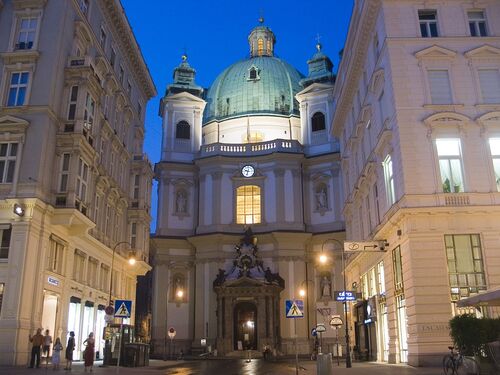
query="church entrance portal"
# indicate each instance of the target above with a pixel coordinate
(245, 326)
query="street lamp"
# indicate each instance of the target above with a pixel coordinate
(131, 261)
(323, 259)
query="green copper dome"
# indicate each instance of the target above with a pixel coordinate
(258, 85)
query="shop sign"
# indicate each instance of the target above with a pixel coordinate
(345, 296)
(52, 281)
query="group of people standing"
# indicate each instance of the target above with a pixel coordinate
(43, 342)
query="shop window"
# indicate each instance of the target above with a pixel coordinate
(74, 316)
(465, 265)
(450, 164)
(5, 233)
(8, 157)
(248, 204)
(182, 130)
(318, 122)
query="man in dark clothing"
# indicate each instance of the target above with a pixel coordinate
(37, 342)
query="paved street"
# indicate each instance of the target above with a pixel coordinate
(233, 367)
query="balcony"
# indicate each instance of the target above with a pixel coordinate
(251, 149)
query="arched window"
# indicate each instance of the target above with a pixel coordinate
(248, 204)
(182, 131)
(253, 73)
(318, 122)
(260, 47)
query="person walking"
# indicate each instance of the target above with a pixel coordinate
(47, 341)
(70, 347)
(56, 354)
(88, 354)
(37, 342)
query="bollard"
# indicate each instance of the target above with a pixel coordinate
(324, 364)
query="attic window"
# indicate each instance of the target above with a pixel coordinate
(253, 74)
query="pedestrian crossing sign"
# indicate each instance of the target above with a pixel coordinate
(294, 308)
(123, 308)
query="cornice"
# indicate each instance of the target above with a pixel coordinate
(114, 13)
(25, 4)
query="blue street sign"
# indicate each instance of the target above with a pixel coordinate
(123, 308)
(294, 308)
(313, 332)
(344, 295)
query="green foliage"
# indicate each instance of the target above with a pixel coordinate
(471, 334)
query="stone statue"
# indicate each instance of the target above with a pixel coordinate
(181, 202)
(321, 198)
(326, 287)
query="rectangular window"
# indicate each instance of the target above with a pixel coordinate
(450, 164)
(2, 291)
(381, 277)
(389, 180)
(133, 235)
(96, 210)
(465, 265)
(489, 80)
(398, 270)
(107, 223)
(102, 39)
(248, 207)
(112, 58)
(477, 23)
(56, 257)
(78, 265)
(82, 181)
(439, 84)
(137, 181)
(63, 183)
(92, 272)
(8, 155)
(428, 23)
(89, 113)
(73, 96)
(5, 233)
(84, 6)
(26, 33)
(104, 283)
(17, 89)
(495, 155)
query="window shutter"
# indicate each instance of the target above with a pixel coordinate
(439, 83)
(489, 81)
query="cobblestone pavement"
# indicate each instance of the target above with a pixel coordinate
(231, 367)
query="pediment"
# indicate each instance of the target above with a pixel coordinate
(446, 118)
(315, 87)
(13, 124)
(435, 52)
(485, 51)
(183, 97)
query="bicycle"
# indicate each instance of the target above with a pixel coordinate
(456, 363)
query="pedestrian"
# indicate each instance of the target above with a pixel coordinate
(88, 354)
(69, 350)
(47, 341)
(56, 354)
(37, 342)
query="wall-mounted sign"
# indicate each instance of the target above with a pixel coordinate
(344, 295)
(52, 281)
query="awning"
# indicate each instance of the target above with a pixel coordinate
(489, 298)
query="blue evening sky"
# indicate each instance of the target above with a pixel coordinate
(214, 35)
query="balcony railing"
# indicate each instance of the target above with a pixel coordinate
(251, 149)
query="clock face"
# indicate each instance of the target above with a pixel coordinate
(247, 171)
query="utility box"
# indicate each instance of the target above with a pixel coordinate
(116, 342)
(324, 364)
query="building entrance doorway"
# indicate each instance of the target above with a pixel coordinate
(245, 326)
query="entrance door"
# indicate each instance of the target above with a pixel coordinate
(245, 326)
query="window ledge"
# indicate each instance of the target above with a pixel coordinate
(488, 106)
(444, 107)
(20, 56)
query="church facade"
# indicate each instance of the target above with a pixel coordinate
(249, 195)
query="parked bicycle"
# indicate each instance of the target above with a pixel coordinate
(456, 363)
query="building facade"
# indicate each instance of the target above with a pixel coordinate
(418, 119)
(249, 194)
(75, 184)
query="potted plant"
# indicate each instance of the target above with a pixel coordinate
(446, 186)
(456, 188)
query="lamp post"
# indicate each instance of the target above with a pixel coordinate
(323, 259)
(131, 261)
(179, 294)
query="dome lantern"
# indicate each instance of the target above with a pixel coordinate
(261, 40)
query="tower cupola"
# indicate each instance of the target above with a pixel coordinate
(261, 40)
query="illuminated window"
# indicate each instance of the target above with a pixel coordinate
(495, 154)
(450, 165)
(260, 47)
(248, 205)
